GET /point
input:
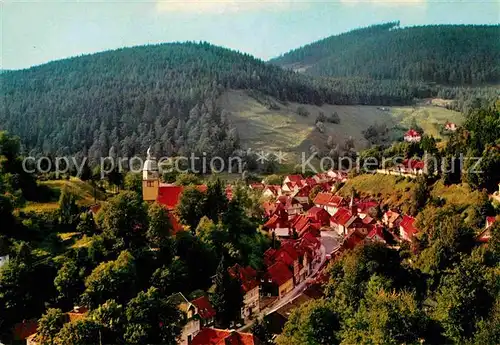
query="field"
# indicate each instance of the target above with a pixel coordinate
(283, 129)
(390, 190)
(430, 118)
(83, 192)
(394, 190)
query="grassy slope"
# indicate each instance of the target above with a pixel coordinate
(270, 130)
(83, 191)
(395, 191)
(460, 195)
(390, 190)
(430, 118)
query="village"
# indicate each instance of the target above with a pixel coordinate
(313, 224)
(312, 232)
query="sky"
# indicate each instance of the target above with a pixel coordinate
(35, 32)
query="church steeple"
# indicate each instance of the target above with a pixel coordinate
(150, 178)
(352, 206)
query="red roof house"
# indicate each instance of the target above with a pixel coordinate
(170, 194)
(392, 219)
(412, 136)
(450, 126)
(246, 275)
(213, 336)
(205, 309)
(293, 178)
(319, 215)
(407, 229)
(376, 234)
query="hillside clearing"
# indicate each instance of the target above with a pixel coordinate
(261, 128)
(83, 192)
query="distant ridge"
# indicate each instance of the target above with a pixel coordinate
(444, 54)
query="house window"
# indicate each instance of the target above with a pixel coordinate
(150, 183)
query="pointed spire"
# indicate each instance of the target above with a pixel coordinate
(352, 206)
(148, 152)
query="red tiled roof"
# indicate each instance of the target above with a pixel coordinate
(341, 217)
(376, 230)
(412, 133)
(309, 238)
(294, 178)
(95, 208)
(279, 273)
(272, 222)
(315, 210)
(269, 208)
(275, 189)
(258, 186)
(169, 194)
(24, 329)
(288, 247)
(413, 164)
(353, 239)
(77, 314)
(490, 221)
(246, 275)
(367, 220)
(322, 198)
(364, 206)
(407, 225)
(205, 309)
(391, 215)
(213, 336)
(336, 201)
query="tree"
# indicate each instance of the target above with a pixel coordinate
(112, 279)
(151, 319)
(386, 318)
(159, 228)
(314, 191)
(133, 182)
(302, 111)
(50, 324)
(187, 179)
(111, 318)
(124, 219)
(69, 282)
(68, 211)
(86, 224)
(172, 278)
(80, 332)
(260, 330)
(313, 323)
(274, 180)
(191, 207)
(215, 200)
(227, 298)
(198, 257)
(463, 299)
(418, 197)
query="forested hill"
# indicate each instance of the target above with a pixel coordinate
(445, 54)
(131, 98)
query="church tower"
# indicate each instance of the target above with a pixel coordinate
(150, 179)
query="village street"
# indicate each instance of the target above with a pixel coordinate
(326, 244)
